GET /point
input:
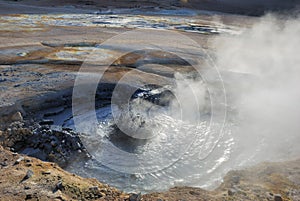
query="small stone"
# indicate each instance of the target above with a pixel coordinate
(94, 188)
(4, 164)
(3, 79)
(231, 192)
(17, 117)
(22, 54)
(235, 179)
(28, 175)
(277, 197)
(135, 197)
(194, 193)
(53, 143)
(27, 187)
(19, 160)
(46, 122)
(46, 172)
(59, 185)
(28, 197)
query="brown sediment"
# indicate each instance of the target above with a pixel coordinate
(47, 181)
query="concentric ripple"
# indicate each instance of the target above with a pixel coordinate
(158, 163)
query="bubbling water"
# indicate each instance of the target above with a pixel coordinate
(149, 147)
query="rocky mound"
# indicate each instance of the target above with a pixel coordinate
(59, 146)
(27, 178)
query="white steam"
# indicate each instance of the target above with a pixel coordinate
(265, 90)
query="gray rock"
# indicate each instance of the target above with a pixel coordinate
(46, 122)
(37, 153)
(27, 187)
(22, 54)
(19, 160)
(135, 197)
(4, 164)
(28, 175)
(17, 117)
(46, 172)
(28, 197)
(277, 197)
(235, 179)
(94, 188)
(59, 185)
(231, 191)
(53, 143)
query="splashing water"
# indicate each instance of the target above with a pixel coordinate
(177, 153)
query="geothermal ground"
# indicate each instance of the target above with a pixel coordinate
(149, 100)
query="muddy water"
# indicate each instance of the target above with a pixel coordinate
(177, 153)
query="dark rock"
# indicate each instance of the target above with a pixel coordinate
(235, 179)
(231, 191)
(67, 129)
(4, 164)
(135, 197)
(53, 143)
(19, 160)
(55, 111)
(37, 153)
(59, 186)
(94, 188)
(46, 172)
(26, 188)
(28, 197)
(3, 79)
(28, 175)
(194, 193)
(44, 143)
(46, 122)
(76, 145)
(277, 197)
(17, 117)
